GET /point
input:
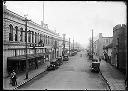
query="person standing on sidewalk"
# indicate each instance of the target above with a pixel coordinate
(11, 76)
(99, 59)
(14, 81)
(36, 64)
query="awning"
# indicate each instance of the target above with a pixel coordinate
(30, 56)
(36, 55)
(21, 57)
(16, 58)
(42, 54)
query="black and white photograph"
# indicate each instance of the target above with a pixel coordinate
(64, 45)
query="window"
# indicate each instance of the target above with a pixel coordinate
(44, 39)
(35, 37)
(38, 38)
(29, 36)
(48, 39)
(16, 35)
(106, 40)
(32, 37)
(11, 33)
(21, 35)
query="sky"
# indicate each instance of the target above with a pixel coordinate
(74, 18)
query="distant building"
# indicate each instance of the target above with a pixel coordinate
(119, 50)
(100, 43)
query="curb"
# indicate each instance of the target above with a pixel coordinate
(28, 80)
(106, 81)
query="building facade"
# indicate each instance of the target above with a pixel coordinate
(40, 40)
(108, 51)
(100, 43)
(119, 50)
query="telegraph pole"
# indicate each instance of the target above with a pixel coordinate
(63, 44)
(43, 11)
(92, 43)
(73, 43)
(69, 46)
(27, 65)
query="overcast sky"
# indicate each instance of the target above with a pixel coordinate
(74, 18)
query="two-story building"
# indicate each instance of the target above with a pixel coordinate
(41, 42)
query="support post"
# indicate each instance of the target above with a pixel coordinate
(27, 65)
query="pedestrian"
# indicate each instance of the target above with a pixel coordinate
(99, 59)
(14, 81)
(36, 64)
(47, 59)
(11, 76)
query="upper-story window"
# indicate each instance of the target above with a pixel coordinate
(16, 35)
(11, 33)
(44, 39)
(32, 37)
(35, 36)
(21, 35)
(29, 36)
(52, 41)
(40, 37)
(48, 39)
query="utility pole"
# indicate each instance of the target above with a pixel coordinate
(27, 65)
(92, 43)
(69, 46)
(43, 11)
(73, 43)
(64, 44)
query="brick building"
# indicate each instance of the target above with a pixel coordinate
(42, 42)
(119, 50)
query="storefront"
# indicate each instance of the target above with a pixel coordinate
(18, 63)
